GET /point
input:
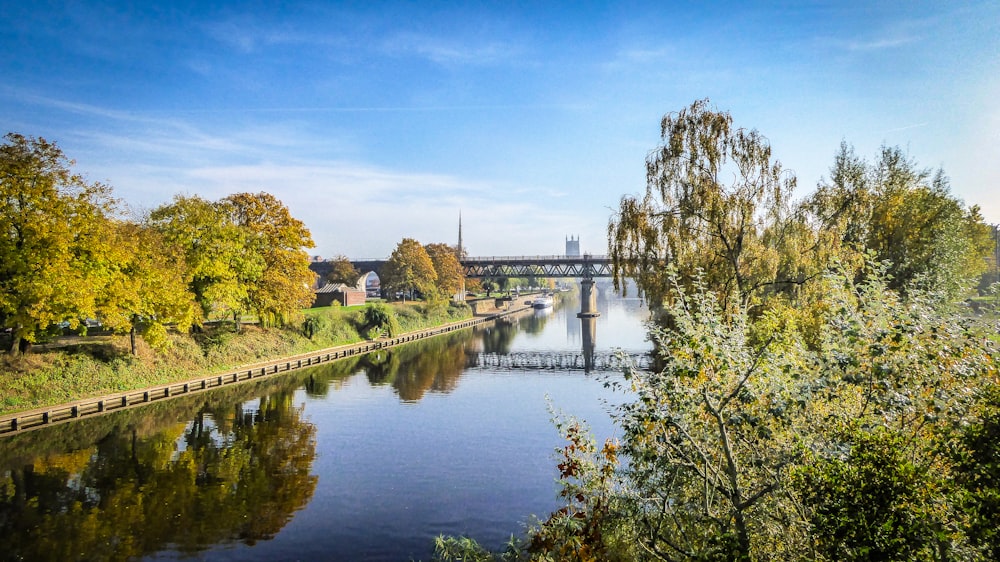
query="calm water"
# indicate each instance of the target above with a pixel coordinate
(367, 460)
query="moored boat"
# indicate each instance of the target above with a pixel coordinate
(543, 301)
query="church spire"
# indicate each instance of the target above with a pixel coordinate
(461, 250)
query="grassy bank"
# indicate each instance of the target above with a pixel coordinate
(76, 368)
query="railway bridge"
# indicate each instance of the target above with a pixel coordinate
(585, 267)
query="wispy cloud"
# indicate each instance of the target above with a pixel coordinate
(451, 52)
(247, 35)
(907, 127)
(878, 43)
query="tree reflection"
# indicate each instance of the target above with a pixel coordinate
(435, 364)
(498, 337)
(230, 475)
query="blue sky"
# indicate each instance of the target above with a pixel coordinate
(374, 121)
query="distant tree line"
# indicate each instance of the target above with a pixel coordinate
(68, 253)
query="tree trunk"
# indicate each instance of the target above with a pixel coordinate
(15, 341)
(131, 341)
(18, 345)
(13, 349)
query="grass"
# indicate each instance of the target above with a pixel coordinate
(102, 366)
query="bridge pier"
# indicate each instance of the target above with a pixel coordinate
(588, 300)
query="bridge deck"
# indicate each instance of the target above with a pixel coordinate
(586, 266)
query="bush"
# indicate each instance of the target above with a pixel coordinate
(379, 319)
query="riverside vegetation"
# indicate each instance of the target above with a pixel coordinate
(824, 392)
(104, 365)
(170, 287)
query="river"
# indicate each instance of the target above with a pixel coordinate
(361, 459)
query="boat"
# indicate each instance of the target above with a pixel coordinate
(544, 301)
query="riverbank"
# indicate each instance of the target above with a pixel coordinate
(71, 369)
(12, 422)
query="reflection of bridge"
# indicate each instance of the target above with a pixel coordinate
(566, 361)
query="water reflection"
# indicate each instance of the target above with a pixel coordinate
(231, 467)
(234, 473)
(589, 330)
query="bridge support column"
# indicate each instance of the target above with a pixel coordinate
(588, 300)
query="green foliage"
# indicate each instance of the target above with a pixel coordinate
(464, 549)
(53, 248)
(710, 438)
(907, 217)
(281, 285)
(875, 503)
(977, 472)
(213, 250)
(716, 206)
(342, 271)
(379, 320)
(409, 269)
(749, 444)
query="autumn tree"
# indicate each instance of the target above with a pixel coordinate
(281, 284)
(214, 250)
(343, 271)
(716, 202)
(447, 267)
(146, 288)
(907, 217)
(52, 222)
(409, 268)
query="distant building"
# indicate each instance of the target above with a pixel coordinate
(573, 246)
(344, 294)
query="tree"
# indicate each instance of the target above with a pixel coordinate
(215, 252)
(715, 202)
(343, 271)
(447, 267)
(51, 246)
(409, 268)
(710, 438)
(147, 287)
(283, 283)
(905, 216)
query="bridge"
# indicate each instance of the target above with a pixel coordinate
(584, 267)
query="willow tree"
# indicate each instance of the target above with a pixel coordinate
(51, 245)
(716, 203)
